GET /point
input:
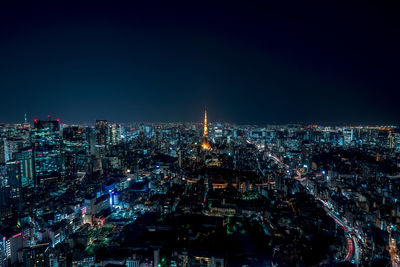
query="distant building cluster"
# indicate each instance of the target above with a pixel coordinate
(198, 194)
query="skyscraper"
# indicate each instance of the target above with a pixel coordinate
(102, 132)
(115, 134)
(25, 158)
(2, 151)
(46, 147)
(347, 136)
(10, 187)
(74, 150)
(14, 180)
(91, 139)
(205, 144)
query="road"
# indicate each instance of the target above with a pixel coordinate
(353, 251)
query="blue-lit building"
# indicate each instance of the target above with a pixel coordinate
(148, 131)
(10, 188)
(25, 158)
(14, 181)
(46, 143)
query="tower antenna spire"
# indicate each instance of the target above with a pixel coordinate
(205, 144)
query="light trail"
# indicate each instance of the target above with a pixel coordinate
(298, 177)
(350, 249)
(353, 250)
(352, 245)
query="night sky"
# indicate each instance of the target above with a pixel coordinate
(276, 64)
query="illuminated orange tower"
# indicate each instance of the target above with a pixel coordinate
(205, 145)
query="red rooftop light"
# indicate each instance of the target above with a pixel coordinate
(14, 236)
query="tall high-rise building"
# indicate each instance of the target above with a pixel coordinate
(180, 158)
(205, 144)
(391, 140)
(25, 158)
(91, 139)
(74, 150)
(115, 134)
(2, 151)
(347, 136)
(148, 131)
(102, 134)
(102, 138)
(10, 188)
(46, 147)
(11, 147)
(15, 183)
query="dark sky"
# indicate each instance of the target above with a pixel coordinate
(323, 63)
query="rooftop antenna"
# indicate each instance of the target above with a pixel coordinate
(25, 120)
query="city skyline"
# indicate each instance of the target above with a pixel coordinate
(139, 194)
(92, 123)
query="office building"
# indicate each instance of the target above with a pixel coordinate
(46, 150)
